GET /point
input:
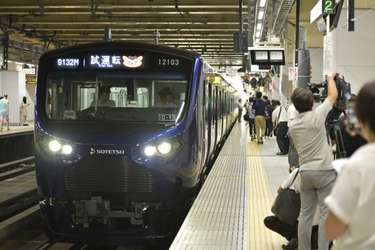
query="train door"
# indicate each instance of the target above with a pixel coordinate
(214, 115)
(210, 119)
(225, 112)
(201, 122)
(220, 116)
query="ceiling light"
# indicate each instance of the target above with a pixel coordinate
(262, 3)
(257, 34)
(260, 14)
(259, 26)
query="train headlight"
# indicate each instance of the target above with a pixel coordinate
(54, 146)
(66, 149)
(150, 150)
(164, 148)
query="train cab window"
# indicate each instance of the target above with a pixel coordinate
(133, 98)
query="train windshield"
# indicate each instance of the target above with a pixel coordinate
(116, 96)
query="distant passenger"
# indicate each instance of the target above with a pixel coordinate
(6, 116)
(239, 110)
(280, 120)
(103, 100)
(3, 110)
(165, 98)
(269, 111)
(260, 121)
(249, 109)
(23, 110)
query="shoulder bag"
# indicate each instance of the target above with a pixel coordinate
(287, 205)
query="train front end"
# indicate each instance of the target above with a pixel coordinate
(118, 148)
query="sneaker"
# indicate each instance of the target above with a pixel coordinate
(293, 244)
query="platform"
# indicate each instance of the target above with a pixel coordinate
(236, 197)
(16, 129)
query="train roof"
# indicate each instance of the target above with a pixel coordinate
(123, 44)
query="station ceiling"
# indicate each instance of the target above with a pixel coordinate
(205, 26)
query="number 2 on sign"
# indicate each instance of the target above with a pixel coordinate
(328, 5)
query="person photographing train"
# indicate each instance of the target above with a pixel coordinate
(308, 132)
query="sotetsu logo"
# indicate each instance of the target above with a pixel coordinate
(94, 151)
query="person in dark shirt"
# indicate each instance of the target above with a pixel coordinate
(269, 110)
(260, 120)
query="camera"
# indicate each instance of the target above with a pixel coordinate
(352, 118)
(343, 90)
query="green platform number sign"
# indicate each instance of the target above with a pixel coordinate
(328, 6)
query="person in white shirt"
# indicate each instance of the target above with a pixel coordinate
(165, 99)
(103, 101)
(280, 121)
(290, 232)
(293, 158)
(351, 203)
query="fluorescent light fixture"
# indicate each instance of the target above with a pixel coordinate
(259, 26)
(257, 34)
(260, 14)
(262, 3)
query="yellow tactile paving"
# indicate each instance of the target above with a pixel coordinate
(260, 238)
(236, 197)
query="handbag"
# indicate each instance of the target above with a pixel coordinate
(287, 205)
(246, 117)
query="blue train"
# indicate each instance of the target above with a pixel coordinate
(125, 134)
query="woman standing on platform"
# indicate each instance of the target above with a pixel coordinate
(23, 110)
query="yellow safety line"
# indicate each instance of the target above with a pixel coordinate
(7, 189)
(260, 201)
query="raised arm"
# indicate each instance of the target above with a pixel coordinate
(332, 91)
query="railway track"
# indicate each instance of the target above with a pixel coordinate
(15, 203)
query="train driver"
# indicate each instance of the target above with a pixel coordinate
(165, 98)
(103, 100)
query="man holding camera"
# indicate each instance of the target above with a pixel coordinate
(309, 135)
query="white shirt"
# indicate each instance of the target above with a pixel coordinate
(296, 185)
(283, 115)
(292, 112)
(309, 136)
(352, 200)
(167, 105)
(99, 103)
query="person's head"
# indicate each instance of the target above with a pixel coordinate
(104, 93)
(6, 96)
(24, 99)
(239, 100)
(364, 103)
(265, 97)
(258, 94)
(268, 102)
(1, 97)
(303, 99)
(276, 103)
(165, 94)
